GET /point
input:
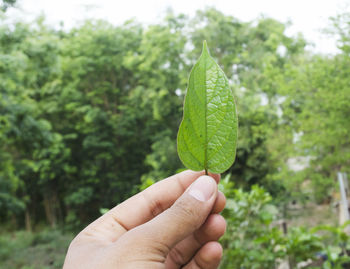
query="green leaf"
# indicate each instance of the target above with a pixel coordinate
(208, 132)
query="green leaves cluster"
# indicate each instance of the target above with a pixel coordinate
(79, 111)
(254, 239)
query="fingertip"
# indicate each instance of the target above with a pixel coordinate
(216, 177)
(220, 203)
(203, 189)
(191, 173)
(215, 249)
(209, 255)
(220, 223)
(214, 227)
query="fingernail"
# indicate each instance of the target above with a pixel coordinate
(202, 189)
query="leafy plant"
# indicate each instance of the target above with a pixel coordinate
(41, 250)
(208, 132)
(254, 240)
(337, 245)
(250, 240)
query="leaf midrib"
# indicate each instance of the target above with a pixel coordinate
(205, 116)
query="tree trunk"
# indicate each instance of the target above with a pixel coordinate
(50, 212)
(28, 221)
(14, 221)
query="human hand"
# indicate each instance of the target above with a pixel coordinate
(172, 224)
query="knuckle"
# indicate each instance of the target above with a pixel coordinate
(155, 206)
(188, 212)
(177, 256)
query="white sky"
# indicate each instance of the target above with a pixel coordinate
(307, 16)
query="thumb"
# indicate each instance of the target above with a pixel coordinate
(186, 215)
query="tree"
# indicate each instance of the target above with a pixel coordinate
(5, 4)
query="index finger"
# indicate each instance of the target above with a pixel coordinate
(154, 200)
(147, 204)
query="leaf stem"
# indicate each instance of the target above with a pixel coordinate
(206, 171)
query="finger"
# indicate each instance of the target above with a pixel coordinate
(208, 257)
(154, 200)
(144, 206)
(187, 214)
(219, 203)
(213, 228)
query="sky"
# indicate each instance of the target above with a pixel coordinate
(307, 16)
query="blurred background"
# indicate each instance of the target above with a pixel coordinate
(91, 96)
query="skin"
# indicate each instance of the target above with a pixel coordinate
(164, 226)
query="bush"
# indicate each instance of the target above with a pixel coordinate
(253, 240)
(26, 250)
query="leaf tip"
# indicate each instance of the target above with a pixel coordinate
(205, 47)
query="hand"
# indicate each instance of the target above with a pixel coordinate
(172, 224)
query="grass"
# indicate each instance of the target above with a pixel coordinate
(312, 215)
(47, 249)
(26, 250)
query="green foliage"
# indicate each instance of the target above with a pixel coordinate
(338, 243)
(250, 242)
(254, 239)
(89, 115)
(5, 4)
(71, 106)
(208, 132)
(43, 250)
(301, 245)
(319, 133)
